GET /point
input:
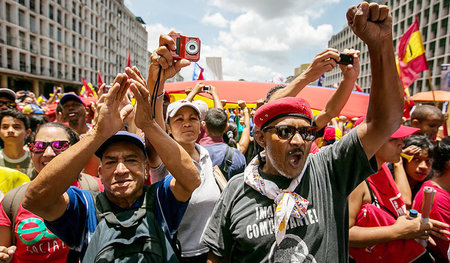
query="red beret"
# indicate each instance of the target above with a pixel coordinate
(290, 106)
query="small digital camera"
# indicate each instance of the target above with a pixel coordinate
(187, 48)
(206, 88)
(345, 59)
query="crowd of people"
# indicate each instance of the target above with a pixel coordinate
(106, 180)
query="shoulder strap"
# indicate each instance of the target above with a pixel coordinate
(106, 212)
(227, 161)
(375, 200)
(87, 182)
(11, 204)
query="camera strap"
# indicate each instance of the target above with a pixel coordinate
(155, 92)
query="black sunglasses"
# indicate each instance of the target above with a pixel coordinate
(8, 104)
(287, 132)
(57, 146)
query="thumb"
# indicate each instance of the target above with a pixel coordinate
(361, 16)
(125, 111)
(11, 250)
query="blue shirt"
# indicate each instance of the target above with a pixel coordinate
(72, 226)
(218, 151)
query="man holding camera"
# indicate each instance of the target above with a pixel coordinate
(291, 206)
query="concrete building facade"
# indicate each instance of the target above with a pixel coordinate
(433, 18)
(45, 43)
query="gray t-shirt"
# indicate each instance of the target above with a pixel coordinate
(241, 226)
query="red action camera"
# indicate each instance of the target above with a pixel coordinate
(187, 48)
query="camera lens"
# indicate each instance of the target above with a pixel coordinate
(192, 47)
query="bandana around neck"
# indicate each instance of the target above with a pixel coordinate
(288, 203)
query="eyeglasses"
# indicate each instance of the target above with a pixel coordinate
(57, 146)
(287, 132)
(8, 104)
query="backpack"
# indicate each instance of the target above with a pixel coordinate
(227, 162)
(128, 235)
(13, 199)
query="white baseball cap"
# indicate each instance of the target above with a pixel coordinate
(174, 107)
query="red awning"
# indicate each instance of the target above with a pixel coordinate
(250, 92)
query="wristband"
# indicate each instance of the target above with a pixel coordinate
(160, 95)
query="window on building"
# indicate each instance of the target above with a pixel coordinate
(22, 40)
(33, 64)
(74, 57)
(33, 44)
(60, 73)
(74, 24)
(21, 18)
(51, 70)
(22, 62)
(51, 34)
(51, 50)
(32, 5)
(410, 20)
(444, 26)
(41, 7)
(42, 67)
(9, 37)
(73, 41)
(58, 16)
(59, 34)
(50, 12)
(33, 24)
(436, 9)
(74, 73)
(9, 59)
(8, 12)
(22, 2)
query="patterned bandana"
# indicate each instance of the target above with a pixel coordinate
(288, 203)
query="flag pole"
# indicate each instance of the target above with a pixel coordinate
(431, 88)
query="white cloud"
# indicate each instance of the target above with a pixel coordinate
(216, 20)
(270, 8)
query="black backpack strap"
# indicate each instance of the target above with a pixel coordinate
(227, 161)
(11, 204)
(375, 200)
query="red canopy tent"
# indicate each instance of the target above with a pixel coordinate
(250, 92)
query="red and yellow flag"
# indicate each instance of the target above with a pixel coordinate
(411, 55)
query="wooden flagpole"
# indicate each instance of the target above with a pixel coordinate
(431, 87)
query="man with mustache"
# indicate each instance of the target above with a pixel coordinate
(74, 112)
(288, 205)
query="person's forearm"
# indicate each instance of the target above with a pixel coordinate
(245, 136)
(386, 94)
(52, 182)
(335, 103)
(191, 95)
(292, 89)
(174, 157)
(369, 236)
(217, 102)
(401, 180)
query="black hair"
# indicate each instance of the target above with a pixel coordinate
(229, 137)
(421, 112)
(216, 121)
(441, 155)
(16, 115)
(272, 91)
(73, 136)
(420, 140)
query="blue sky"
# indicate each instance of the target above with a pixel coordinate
(258, 40)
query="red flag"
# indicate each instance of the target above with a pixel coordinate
(358, 88)
(99, 79)
(409, 104)
(87, 90)
(128, 60)
(411, 55)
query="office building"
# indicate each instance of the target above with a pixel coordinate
(45, 43)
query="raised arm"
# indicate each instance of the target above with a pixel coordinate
(191, 92)
(245, 137)
(46, 195)
(323, 62)
(337, 101)
(175, 158)
(373, 25)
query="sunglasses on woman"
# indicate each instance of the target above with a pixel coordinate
(57, 146)
(287, 132)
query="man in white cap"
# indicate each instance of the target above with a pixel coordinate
(7, 99)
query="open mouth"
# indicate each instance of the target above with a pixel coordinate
(294, 157)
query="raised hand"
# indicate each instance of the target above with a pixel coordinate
(323, 62)
(351, 72)
(111, 112)
(372, 23)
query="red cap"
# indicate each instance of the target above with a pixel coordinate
(290, 106)
(404, 131)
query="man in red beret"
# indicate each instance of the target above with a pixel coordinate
(288, 205)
